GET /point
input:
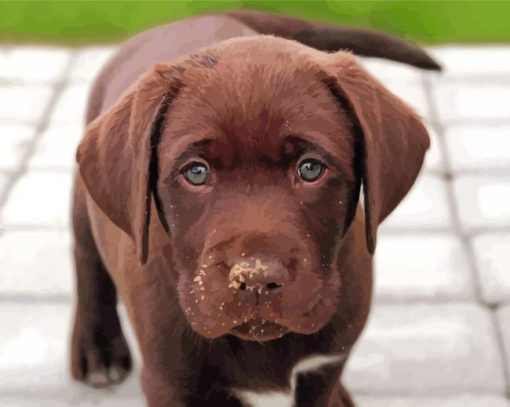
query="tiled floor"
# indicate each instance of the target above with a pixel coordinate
(439, 333)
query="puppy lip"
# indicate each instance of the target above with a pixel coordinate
(257, 329)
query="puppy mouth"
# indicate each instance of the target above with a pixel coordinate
(260, 330)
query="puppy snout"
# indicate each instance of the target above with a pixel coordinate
(258, 274)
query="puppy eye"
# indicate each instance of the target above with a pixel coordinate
(311, 170)
(196, 173)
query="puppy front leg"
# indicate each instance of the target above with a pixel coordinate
(161, 391)
(322, 388)
(99, 353)
(340, 397)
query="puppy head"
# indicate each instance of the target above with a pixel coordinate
(254, 151)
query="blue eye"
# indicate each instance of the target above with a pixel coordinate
(196, 173)
(311, 170)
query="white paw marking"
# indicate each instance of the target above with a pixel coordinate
(281, 398)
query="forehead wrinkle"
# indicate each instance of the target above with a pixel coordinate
(248, 88)
(240, 90)
(245, 74)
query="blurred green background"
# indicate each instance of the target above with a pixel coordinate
(79, 22)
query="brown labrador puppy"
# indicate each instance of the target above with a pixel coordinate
(253, 282)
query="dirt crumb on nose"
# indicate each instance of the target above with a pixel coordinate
(241, 269)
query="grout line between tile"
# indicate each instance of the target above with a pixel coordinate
(501, 341)
(42, 82)
(34, 227)
(50, 169)
(489, 172)
(472, 232)
(417, 229)
(18, 122)
(29, 299)
(413, 301)
(448, 178)
(488, 78)
(465, 238)
(36, 397)
(482, 121)
(475, 232)
(41, 126)
(437, 393)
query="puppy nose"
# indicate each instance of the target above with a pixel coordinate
(258, 274)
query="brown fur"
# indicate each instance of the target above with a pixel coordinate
(251, 107)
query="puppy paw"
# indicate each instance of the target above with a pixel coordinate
(99, 360)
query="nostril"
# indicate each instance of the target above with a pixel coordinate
(242, 287)
(272, 286)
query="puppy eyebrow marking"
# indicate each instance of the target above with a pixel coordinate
(193, 149)
(303, 143)
(183, 150)
(306, 143)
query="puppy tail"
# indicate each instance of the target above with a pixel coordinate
(329, 37)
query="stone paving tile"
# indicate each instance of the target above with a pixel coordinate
(36, 263)
(402, 80)
(57, 147)
(465, 60)
(128, 393)
(389, 70)
(478, 147)
(421, 266)
(504, 324)
(493, 258)
(33, 349)
(115, 402)
(425, 206)
(39, 198)
(14, 140)
(427, 349)
(11, 401)
(83, 397)
(23, 103)
(465, 400)
(89, 61)
(71, 105)
(411, 92)
(34, 358)
(34, 63)
(483, 200)
(471, 100)
(433, 158)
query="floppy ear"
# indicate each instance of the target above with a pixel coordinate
(117, 156)
(393, 140)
